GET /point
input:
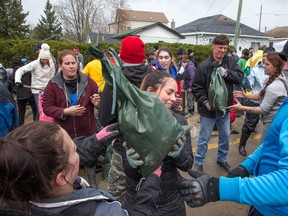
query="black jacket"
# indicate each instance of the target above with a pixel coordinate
(202, 81)
(170, 201)
(135, 75)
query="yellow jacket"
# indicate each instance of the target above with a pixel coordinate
(94, 70)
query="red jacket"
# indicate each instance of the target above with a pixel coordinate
(55, 101)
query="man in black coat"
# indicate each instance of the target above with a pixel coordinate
(232, 75)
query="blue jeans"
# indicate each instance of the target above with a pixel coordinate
(206, 128)
(36, 96)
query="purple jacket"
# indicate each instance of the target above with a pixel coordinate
(189, 76)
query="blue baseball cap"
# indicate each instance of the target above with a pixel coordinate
(37, 46)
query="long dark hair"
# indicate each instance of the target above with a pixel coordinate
(155, 79)
(277, 62)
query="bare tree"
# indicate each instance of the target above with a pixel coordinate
(79, 17)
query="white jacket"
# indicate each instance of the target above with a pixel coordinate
(40, 75)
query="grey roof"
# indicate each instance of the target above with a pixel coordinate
(135, 31)
(102, 37)
(217, 24)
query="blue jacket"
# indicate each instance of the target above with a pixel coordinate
(8, 113)
(172, 69)
(268, 190)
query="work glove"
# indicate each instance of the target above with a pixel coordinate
(200, 190)
(177, 148)
(18, 84)
(158, 171)
(239, 171)
(108, 134)
(133, 157)
(207, 105)
(222, 71)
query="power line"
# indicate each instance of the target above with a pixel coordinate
(209, 8)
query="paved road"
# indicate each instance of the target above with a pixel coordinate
(210, 166)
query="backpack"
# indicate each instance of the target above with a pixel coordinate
(145, 122)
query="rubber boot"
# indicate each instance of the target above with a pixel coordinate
(91, 175)
(243, 140)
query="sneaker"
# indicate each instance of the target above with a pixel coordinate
(198, 167)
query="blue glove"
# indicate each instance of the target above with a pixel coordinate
(177, 148)
(133, 157)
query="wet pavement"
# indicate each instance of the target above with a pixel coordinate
(210, 166)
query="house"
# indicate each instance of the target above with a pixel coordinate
(130, 19)
(279, 37)
(153, 33)
(93, 37)
(203, 30)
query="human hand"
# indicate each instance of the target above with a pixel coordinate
(207, 105)
(239, 94)
(177, 148)
(108, 134)
(76, 110)
(133, 157)
(95, 99)
(18, 84)
(236, 106)
(222, 71)
(239, 171)
(200, 190)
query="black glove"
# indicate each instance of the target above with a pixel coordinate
(108, 134)
(200, 190)
(239, 171)
(207, 105)
(18, 84)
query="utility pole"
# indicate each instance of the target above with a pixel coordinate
(237, 28)
(260, 18)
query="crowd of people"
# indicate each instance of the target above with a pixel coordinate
(79, 101)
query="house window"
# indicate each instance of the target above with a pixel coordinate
(255, 45)
(210, 41)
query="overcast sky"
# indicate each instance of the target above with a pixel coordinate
(274, 12)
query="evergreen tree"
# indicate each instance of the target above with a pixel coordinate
(48, 25)
(12, 20)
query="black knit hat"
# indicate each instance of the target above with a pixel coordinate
(284, 53)
(180, 51)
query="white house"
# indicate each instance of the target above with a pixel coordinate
(153, 33)
(203, 30)
(131, 19)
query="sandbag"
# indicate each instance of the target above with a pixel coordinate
(145, 122)
(217, 92)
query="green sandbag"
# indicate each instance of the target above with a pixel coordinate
(217, 92)
(145, 122)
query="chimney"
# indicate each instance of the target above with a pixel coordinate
(172, 24)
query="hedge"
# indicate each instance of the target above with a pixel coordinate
(24, 48)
